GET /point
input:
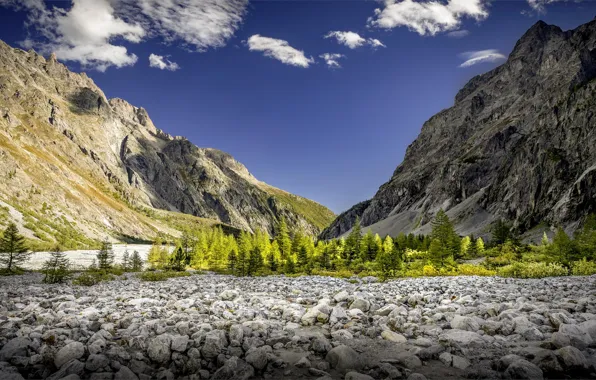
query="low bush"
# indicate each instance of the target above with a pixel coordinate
(474, 270)
(583, 268)
(161, 276)
(91, 278)
(532, 270)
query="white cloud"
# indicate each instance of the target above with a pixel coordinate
(331, 59)
(459, 33)
(82, 33)
(87, 32)
(427, 17)
(481, 56)
(353, 40)
(280, 50)
(200, 24)
(540, 5)
(162, 63)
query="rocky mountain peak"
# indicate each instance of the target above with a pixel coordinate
(102, 166)
(517, 144)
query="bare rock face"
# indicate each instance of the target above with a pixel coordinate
(517, 144)
(101, 167)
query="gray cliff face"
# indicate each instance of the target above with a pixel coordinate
(102, 165)
(519, 144)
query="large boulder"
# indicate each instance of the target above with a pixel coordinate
(572, 359)
(14, 347)
(464, 323)
(73, 350)
(523, 369)
(159, 349)
(344, 358)
(234, 369)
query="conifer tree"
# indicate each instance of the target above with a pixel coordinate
(368, 247)
(272, 262)
(290, 266)
(57, 268)
(479, 246)
(501, 232)
(563, 248)
(544, 240)
(13, 251)
(244, 248)
(302, 258)
(126, 261)
(466, 243)
(178, 260)
(445, 243)
(283, 240)
(255, 261)
(105, 256)
(352, 245)
(325, 257)
(232, 262)
(136, 262)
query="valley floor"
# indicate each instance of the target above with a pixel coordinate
(85, 257)
(224, 327)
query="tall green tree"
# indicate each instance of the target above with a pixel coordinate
(369, 246)
(563, 248)
(501, 232)
(586, 238)
(283, 239)
(13, 251)
(126, 264)
(244, 249)
(56, 269)
(255, 261)
(178, 260)
(136, 262)
(352, 244)
(105, 256)
(445, 243)
(302, 258)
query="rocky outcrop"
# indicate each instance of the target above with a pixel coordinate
(517, 144)
(101, 167)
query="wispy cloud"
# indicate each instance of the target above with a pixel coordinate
(162, 63)
(459, 33)
(353, 40)
(200, 24)
(332, 59)
(427, 17)
(481, 56)
(540, 5)
(87, 32)
(280, 50)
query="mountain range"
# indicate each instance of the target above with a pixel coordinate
(76, 165)
(519, 144)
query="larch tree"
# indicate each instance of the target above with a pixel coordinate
(13, 251)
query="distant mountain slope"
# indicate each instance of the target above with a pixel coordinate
(519, 143)
(74, 163)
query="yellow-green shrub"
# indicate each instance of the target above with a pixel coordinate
(474, 270)
(583, 268)
(532, 270)
(429, 271)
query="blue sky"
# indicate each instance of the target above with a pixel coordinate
(332, 134)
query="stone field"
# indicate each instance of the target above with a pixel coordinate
(222, 327)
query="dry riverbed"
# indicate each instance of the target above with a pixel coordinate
(222, 327)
